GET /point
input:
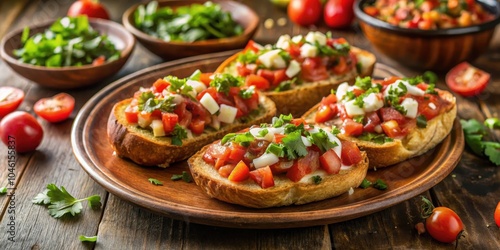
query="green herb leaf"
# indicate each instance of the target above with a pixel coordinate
(375, 138)
(492, 123)
(316, 179)
(248, 92)
(178, 85)
(223, 82)
(365, 183)
(178, 135)
(84, 238)
(321, 140)
(421, 121)
(184, 176)
(296, 148)
(364, 83)
(492, 150)
(3, 190)
(276, 149)
(380, 184)
(155, 182)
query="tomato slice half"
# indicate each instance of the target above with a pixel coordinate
(467, 80)
(55, 109)
(10, 99)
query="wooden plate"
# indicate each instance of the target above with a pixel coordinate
(185, 201)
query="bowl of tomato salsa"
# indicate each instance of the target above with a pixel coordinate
(429, 34)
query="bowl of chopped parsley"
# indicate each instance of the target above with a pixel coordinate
(68, 53)
(177, 29)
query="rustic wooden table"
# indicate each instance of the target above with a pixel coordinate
(472, 189)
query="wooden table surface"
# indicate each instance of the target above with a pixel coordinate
(472, 189)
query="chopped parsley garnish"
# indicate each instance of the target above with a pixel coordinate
(155, 182)
(364, 83)
(474, 133)
(248, 92)
(380, 184)
(178, 85)
(316, 179)
(359, 119)
(492, 123)
(292, 128)
(421, 121)
(263, 132)
(178, 134)
(365, 184)
(149, 103)
(285, 85)
(280, 121)
(276, 149)
(321, 140)
(184, 176)
(248, 57)
(241, 138)
(223, 82)
(335, 130)
(295, 146)
(375, 138)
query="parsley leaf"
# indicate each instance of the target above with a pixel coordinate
(321, 140)
(184, 176)
(294, 144)
(492, 150)
(421, 121)
(376, 138)
(241, 138)
(3, 190)
(248, 92)
(155, 182)
(365, 184)
(474, 133)
(492, 123)
(84, 238)
(364, 83)
(223, 82)
(380, 184)
(178, 134)
(60, 202)
(316, 179)
(178, 85)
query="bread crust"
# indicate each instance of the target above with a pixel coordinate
(298, 100)
(415, 143)
(138, 145)
(284, 193)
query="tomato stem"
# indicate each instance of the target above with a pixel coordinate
(458, 237)
(427, 207)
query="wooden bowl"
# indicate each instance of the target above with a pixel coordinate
(437, 50)
(74, 76)
(241, 13)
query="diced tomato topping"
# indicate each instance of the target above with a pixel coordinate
(371, 10)
(208, 158)
(330, 162)
(224, 99)
(372, 120)
(263, 177)
(391, 128)
(329, 99)
(389, 114)
(294, 50)
(240, 173)
(303, 166)
(278, 138)
(259, 82)
(197, 126)
(350, 153)
(352, 128)
(388, 81)
(324, 113)
(243, 70)
(131, 114)
(169, 120)
(221, 160)
(206, 78)
(429, 106)
(298, 121)
(279, 76)
(314, 70)
(226, 170)
(160, 85)
(252, 102)
(251, 46)
(185, 119)
(267, 74)
(341, 66)
(237, 153)
(211, 91)
(241, 106)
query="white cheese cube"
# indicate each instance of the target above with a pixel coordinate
(411, 107)
(308, 50)
(157, 126)
(278, 62)
(267, 59)
(283, 42)
(209, 103)
(413, 90)
(197, 86)
(372, 102)
(316, 36)
(264, 160)
(353, 109)
(227, 113)
(293, 69)
(341, 91)
(297, 38)
(432, 105)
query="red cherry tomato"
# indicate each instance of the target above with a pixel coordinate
(90, 8)
(55, 109)
(10, 99)
(21, 132)
(497, 215)
(467, 80)
(442, 223)
(338, 13)
(304, 12)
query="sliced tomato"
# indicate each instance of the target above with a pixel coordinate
(55, 109)
(391, 114)
(197, 126)
(330, 162)
(429, 106)
(352, 128)
(350, 154)
(304, 166)
(198, 111)
(259, 82)
(169, 120)
(240, 173)
(226, 170)
(160, 84)
(131, 114)
(313, 69)
(372, 120)
(467, 80)
(237, 153)
(206, 78)
(10, 99)
(391, 128)
(263, 176)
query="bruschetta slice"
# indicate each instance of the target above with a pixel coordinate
(392, 119)
(278, 164)
(298, 71)
(174, 118)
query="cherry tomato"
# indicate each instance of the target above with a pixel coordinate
(21, 131)
(442, 223)
(497, 215)
(338, 13)
(10, 99)
(90, 8)
(304, 12)
(467, 80)
(55, 109)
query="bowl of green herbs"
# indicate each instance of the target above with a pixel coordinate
(177, 29)
(68, 53)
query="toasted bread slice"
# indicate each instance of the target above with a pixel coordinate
(284, 193)
(140, 146)
(300, 98)
(415, 143)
